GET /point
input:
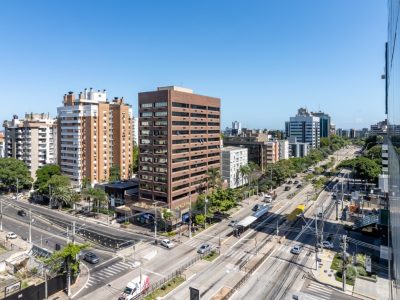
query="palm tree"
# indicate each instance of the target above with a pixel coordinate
(62, 195)
(214, 177)
(244, 172)
(96, 195)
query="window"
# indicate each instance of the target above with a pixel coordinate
(199, 156)
(180, 178)
(175, 142)
(179, 187)
(199, 123)
(180, 123)
(146, 105)
(160, 104)
(213, 124)
(180, 132)
(198, 115)
(182, 105)
(213, 108)
(198, 148)
(146, 159)
(180, 114)
(159, 178)
(160, 123)
(198, 131)
(175, 151)
(145, 141)
(200, 140)
(160, 188)
(160, 160)
(146, 177)
(145, 123)
(181, 159)
(160, 170)
(146, 114)
(160, 132)
(198, 106)
(213, 116)
(145, 132)
(160, 113)
(160, 151)
(146, 168)
(213, 131)
(160, 142)
(180, 169)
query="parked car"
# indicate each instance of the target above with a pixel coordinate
(90, 257)
(11, 235)
(287, 188)
(267, 198)
(290, 182)
(327, 245)
(167, 243)
(296, 249)
(296, 182)
(257, 207)
(21, 213)
(233, 223)
(299, 186)
(320, 214)
(204, 248)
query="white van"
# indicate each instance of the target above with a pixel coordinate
(267, 198)
(137, 286)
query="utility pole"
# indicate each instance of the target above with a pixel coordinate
(73, 232)
(277, 228)
(1, 214)
(30, 226)
(41, 241)
(17, 188)
(50, 196)
(190, 216)
(68, 278)
(67, 235)
(155, 223)
(45, 285)
(134, 252)
(205, 212)
(344, 263)
(316, 242)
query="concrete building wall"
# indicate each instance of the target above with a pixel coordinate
(233, 158)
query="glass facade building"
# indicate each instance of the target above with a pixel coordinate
(393, 112)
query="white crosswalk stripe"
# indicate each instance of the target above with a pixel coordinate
(103, 275)
(317, 291)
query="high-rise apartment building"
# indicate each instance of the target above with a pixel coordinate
(32, 140)
(2, 144)
(298, 149)
(305, 127)
(283, 149)
(272, 152)
(179, 141)
(233, 158)
(324, 123)
(236, 128)
(94, 135)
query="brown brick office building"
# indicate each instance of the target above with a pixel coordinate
(179, 140)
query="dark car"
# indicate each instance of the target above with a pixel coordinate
(299, 186)
(287, 188)
(296, 182)
(256, 207)
(290, 182)
(21, 213)
(90, 257)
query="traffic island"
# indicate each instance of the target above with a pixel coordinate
(166, 288)
(211, 256)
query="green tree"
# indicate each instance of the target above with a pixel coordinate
(60, 189)
(375, 153)
(199, 219)
(96, 196)
(135, 160)
(366, 169)
(61, 260)
(214, 177)
(85, 183)
(12, 171)
(43, 176)
(115, 173)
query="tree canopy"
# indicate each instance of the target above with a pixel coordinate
(115, 173)
(43, 176)
(12, 169)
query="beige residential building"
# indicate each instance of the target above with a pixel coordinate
(94, 135)
(32, 140)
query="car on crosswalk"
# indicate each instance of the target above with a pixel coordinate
(167, 243)
(296, 249)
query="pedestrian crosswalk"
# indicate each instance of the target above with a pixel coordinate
(316, 291)
(237, 254)
(102, 276)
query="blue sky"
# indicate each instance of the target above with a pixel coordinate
(264, 59)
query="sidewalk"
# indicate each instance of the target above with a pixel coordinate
(364, 288)
(77, 287)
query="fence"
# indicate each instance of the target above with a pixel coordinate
(37, 292)
(174, 274)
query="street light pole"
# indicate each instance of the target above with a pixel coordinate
(190, 216)
(155, 222)
(50, 196)
(205, 212)
(1, 214)
(30, 226)
(17, 188)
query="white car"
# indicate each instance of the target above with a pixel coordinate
(233, 223)
(11, 235)
(296, 249)
(167, 243)
(327, 245)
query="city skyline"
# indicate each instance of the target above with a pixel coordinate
(324, 64)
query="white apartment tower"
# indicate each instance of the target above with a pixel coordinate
(233, 158)
(283, 149)
(32, 140)
(95, 135)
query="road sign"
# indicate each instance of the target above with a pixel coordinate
(194, 294)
